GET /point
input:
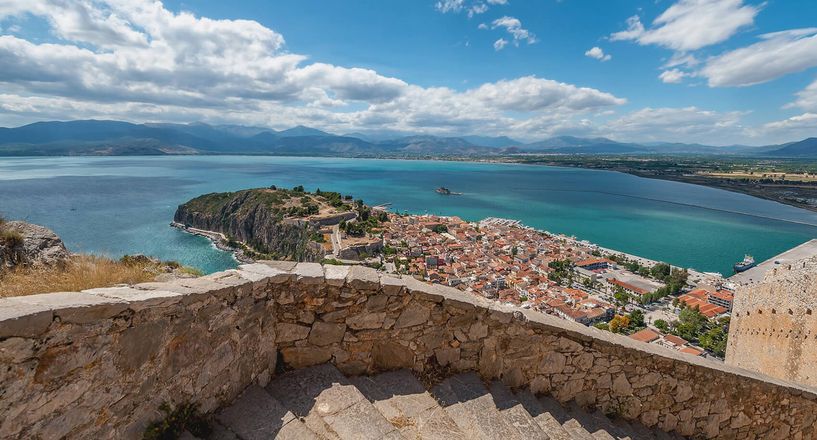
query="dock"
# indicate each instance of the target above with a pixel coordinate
(755, 274)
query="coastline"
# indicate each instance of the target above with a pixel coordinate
(219, 241)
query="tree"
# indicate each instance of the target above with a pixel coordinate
(621, 297)
(636, 319)
(691, 323)
(619, 323)
(662, 325)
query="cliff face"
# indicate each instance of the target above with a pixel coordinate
(26, 244)
(255, 217)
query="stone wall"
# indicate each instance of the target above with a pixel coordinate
(774, 326)
(98, 364)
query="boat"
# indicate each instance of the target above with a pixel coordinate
(747, 263)
(446, 192)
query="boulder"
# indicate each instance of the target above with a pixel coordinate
(37, 246)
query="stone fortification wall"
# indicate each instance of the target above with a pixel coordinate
(98, 364)
(774, 324)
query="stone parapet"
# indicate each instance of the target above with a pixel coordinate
(98, 364)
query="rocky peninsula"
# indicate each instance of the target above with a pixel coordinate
(271, 223)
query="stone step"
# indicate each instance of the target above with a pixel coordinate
(598, 424)
(465, 398)
(546, 421)
(513, 411)
(256, 415)
(568, 422)
(404, 402)
(330, 405)
(636, 430)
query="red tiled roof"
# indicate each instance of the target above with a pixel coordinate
(691, 350)
(590, 261)
(675, 340)
(645, 335)
(629, 286)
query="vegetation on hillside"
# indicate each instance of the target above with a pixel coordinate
(85, 272)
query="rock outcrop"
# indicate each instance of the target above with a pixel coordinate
(258, 217)
(26, 244)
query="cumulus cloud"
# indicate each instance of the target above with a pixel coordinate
(688, 123)
(514, 27)
(500, 44)
(804, 123)
(449, 5)
(806, 98)
(672, 76)
(137, 60)
(691, 24)
(597, 53)
(778, 54)
(472, 8)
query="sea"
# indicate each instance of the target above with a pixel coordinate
(114, 206)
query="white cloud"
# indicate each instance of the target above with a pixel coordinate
(479, 8)
(806, 123)
(472, 7)
(778, 54)
(500, 44)
(806, 98)
(514, 27)
(691, 24)
(597, 53)
(689, 123)
(136, 60)
(672, 76)
(450, 5)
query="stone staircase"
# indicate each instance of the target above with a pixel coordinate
(321, 403)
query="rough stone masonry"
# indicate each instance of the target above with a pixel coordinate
(774, 327)
(98, 363)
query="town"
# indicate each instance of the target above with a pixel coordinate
(506, 261)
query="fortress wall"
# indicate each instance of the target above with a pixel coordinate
(774, 324)
(98, 364)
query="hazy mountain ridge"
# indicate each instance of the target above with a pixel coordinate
(97, 137)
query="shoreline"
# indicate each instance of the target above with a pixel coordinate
(218, 240)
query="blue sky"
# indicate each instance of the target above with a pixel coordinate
(709, 71)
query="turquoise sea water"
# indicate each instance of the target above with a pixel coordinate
(121, 205)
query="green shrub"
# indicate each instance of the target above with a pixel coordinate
(10, 237)
(185, 417)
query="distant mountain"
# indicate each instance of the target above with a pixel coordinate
(495, 142)
(572, 145)
(97, 137)
(804, 148)
(301, 130)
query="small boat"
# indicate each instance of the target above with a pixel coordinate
(747, 263)
(446, 192)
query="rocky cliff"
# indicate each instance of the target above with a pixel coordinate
(280, 224)
(26, 244)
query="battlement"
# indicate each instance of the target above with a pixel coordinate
(774, 327)
(99, 363)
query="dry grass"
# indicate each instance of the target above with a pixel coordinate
(81, 272)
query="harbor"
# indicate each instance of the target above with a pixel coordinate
(756, 273)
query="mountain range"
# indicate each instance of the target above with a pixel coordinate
(95, 137)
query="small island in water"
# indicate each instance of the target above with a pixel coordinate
(447, 192)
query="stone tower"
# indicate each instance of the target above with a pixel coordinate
(774, 328)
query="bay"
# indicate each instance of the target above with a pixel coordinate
(123, 205)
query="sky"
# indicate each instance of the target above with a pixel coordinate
(718, 72)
